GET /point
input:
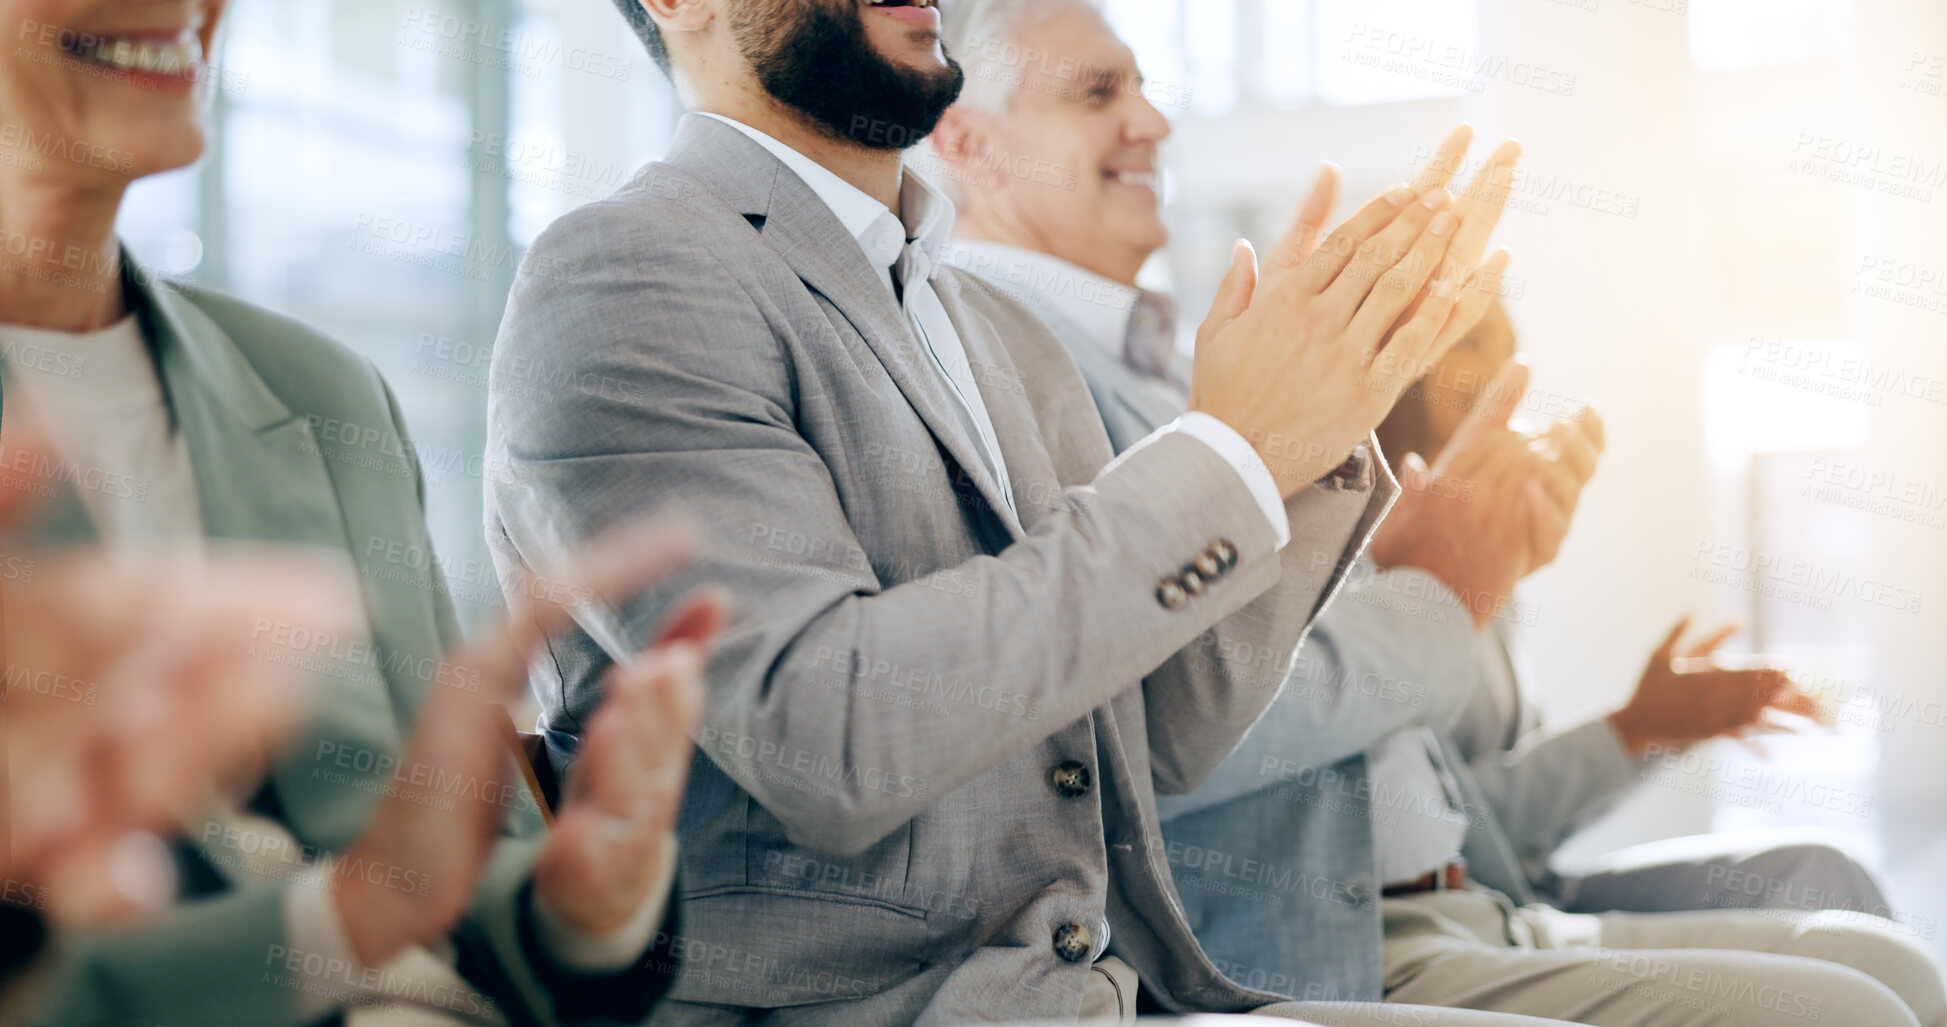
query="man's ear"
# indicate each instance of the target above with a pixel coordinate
(965, 140)
(680, 15)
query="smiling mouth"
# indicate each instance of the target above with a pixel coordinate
(902, 3)
(1151, 179)
(142, 54)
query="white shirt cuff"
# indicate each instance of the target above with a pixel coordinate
(616, 951)
(1250, 467)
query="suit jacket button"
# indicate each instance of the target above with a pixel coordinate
(1071, 779)
(1073, 942)
(1209, 566)
(1192, 581)
(1171, 594)
(1225, 553)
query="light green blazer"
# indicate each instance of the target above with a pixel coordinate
(297, 440)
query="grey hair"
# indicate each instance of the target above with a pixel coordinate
(981, 35)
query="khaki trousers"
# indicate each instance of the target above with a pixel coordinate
(1474, 949)
(1111, 1000)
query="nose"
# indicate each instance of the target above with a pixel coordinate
(1145, 126)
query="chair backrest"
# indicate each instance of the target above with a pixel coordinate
(531, 755)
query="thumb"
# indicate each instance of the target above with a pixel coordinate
(1234, 295)
(1667, 651)
(1498, 402)
(1413, 473)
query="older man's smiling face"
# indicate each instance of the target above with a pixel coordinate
(1079, 119)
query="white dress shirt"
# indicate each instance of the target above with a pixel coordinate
(1137, 326)
(914, 243)
(1419, 821)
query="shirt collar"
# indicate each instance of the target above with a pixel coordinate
(928, 212)
(1099, 308)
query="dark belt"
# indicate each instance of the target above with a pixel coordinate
(1451, 877)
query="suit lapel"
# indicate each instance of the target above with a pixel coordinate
(810, 239)
(262, 478)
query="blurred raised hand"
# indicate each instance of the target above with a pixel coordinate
(1687, 695)
(134, 684)
(622, 796)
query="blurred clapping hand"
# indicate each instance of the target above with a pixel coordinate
(1497, 502)
(613, 842)
(135, 684)
(1689, 695)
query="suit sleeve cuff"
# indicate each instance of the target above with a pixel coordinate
(1241, 456)
(594, 954)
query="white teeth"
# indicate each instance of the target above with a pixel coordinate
(154, 56)
(1152, 179)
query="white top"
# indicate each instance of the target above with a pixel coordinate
(915, 246)
(99, 398)
(1419, 822)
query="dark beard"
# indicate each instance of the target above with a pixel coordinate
(819, 62)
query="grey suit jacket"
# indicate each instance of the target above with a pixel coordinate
(934, 733)
(1273, 854)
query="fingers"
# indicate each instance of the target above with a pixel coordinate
(1667, 651)
(697, 619)
(1791, 700)
(1446, 160)
(627, 786)
(1592, 428)
(1548, 527)
(1709, 644)
(1503, 394)
(1571, 443)
(1322, 268)
(1402, 362)
(1480, 205)
(1423, 228)
(1308, 225)
(1414, 474)
(617, 564)
(1234, 293)
(1477, 292)
(649, 709)
(1562, 485)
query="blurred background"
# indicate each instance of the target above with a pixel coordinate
(1730, 235)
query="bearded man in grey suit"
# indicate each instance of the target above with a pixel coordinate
(1277, 855)
(969, 648)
